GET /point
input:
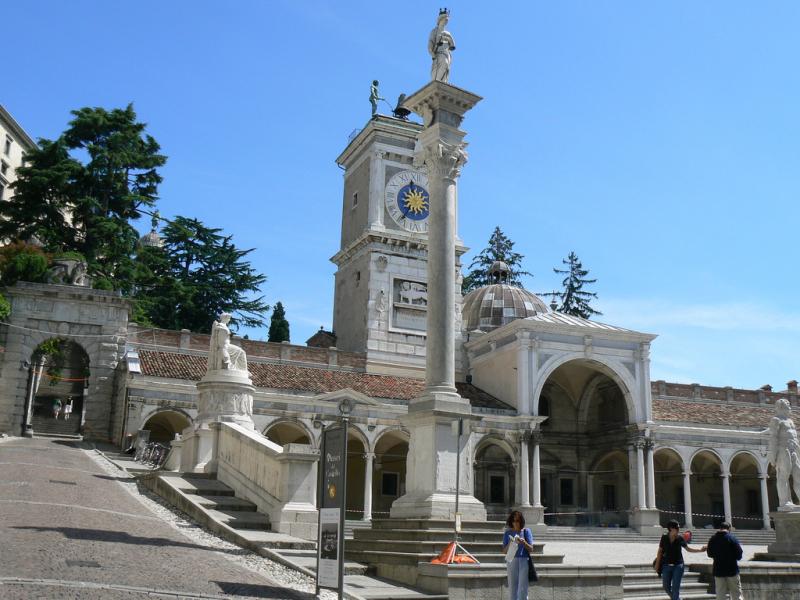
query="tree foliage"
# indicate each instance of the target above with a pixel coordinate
(278, 325)
(82, 191)
(197, 274)
(573, 299)
(500, 248)
(22, 262)
(5, 308)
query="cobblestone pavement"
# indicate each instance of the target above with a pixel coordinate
(68, 529)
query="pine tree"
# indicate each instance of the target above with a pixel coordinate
(500, 248)
(278, 325)
(196, 274)
(574, 300)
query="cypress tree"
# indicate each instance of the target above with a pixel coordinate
(574, 300)
(278, 325)
(500, 248)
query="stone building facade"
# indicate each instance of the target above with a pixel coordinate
(14, 144)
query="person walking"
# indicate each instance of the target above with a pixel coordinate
(516, 533)
(670, 559)
(67, 409)
(726, 551)
(56, 408)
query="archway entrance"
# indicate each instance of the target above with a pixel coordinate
(164, 424)
(495, 478)
(286, 432)
(668, 476)
(708, 507)
(389, 483)
(584, 446)
(57, 384)
(746, 501)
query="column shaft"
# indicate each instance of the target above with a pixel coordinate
(640, 496)
(370, 457)
(537, 476)
(687, 498)
(524, 473)
(764, 501)
(651, 479)
(726, 496)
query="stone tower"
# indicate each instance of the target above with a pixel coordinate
(381, 296)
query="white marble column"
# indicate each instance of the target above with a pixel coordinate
(370, 458)
(651, 477)
(523, 373)
(687, 499)
(764, 501)
(726, 496)
(536, 474)
(640, 491)
(524, 483)
(377, 177)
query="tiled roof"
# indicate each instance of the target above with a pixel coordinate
(558, 318)
(307, 379)
(709, 413)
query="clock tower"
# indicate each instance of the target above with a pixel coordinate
(381, 299)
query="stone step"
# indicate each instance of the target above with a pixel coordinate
(241, 519)
(662, 595)
(642, 589)
(189, 484)
(412, 558)
(437, 524)
(647, 578)
(430, 546)
(225, 503)
(438, 535)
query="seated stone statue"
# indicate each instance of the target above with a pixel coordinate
(224, 356)
(784, 454)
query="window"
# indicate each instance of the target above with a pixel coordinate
(566, 492)
(7, 147)
(2, 191)
(390, 484)
(753, 504)
(3, 167)
(497, 489)
(610, 497)
(355, 199)
(358, 278)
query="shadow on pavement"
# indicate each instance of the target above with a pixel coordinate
(261, 591)
(113, 478)
(121, 537)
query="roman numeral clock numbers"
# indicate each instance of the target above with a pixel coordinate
(408, 201)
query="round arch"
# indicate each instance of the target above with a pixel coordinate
(608, 490)
(288, 431)
(669, 481)
(390, 449)
(708, 506)
(612, 369)
(495, 464)
(745, 487)
(164, 424)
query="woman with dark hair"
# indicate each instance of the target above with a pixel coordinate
(516, 533)
(669, 560)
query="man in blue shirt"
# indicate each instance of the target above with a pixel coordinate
(726, 551)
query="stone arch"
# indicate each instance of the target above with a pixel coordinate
(288, 431)
(163, 424)
(669, 481)
(495, 463)
(390, 450)
(611, 368)
(745, 487)
(706, 466)
(608, 489)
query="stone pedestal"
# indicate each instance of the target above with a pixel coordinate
(534, 518)
(223, 396)
(786, 547)
(644, 518)
(433, 451)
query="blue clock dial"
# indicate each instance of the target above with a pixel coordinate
(413, 201)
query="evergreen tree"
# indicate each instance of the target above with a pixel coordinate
(196, 274)
(574, 300)
(501, 248)
(278, 325)
(81, 192)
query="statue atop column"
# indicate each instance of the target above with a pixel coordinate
(224, 356)
(440, 45)
(784, 454)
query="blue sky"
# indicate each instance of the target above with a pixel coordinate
(658, 140)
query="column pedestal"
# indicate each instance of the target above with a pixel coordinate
(786, 547)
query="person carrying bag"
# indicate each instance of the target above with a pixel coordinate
(518, 545)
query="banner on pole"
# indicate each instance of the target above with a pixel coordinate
(330, 539)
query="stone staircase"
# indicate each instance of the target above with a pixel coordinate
(49, 427)
(756, 537)
(215, 506)
(641, 583)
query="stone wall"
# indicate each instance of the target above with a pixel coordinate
(96, 320)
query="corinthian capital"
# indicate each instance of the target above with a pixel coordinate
(445, 160)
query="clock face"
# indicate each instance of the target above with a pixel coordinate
(408, 201)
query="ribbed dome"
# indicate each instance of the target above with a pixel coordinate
(491, 306)
(151, 240)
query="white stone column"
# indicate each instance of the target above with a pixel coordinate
(369, 458)
(377, 178)
(633, 491)
(524, 472)
(764, 500)
(433, 449)
(726, 496)
(640, 495)
(651, 477)
(536, 473)
(687, 499)
(523, 373)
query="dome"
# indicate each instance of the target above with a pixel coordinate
(491, 306)
(151, 240)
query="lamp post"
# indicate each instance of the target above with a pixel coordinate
(345, 409)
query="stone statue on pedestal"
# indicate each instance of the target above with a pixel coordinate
(440, 45)
(222, 354)
(784, 454)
